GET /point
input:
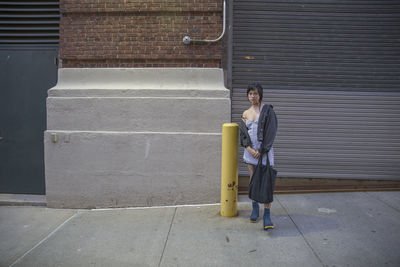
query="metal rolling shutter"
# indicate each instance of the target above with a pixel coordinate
(29, 22)
(332, 71)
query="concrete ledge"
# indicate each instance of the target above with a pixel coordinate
(75, 92)
(140, 78)
(133, 114)
(22, 200)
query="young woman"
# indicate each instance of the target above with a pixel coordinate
(249, 140)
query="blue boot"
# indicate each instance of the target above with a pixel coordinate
(255, 212)
(267, 220)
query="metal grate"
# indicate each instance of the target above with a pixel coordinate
(29, 22)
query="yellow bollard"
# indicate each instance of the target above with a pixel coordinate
(229, 169)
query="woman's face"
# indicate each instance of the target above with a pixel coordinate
(254, 97)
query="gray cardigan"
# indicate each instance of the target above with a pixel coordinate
(266, 132)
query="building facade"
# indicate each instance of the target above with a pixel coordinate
(136, 115)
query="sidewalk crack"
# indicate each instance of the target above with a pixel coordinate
(166, 240)
(381, 200)
(298, 229)
(46, 238)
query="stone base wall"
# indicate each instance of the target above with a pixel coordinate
(134, 137)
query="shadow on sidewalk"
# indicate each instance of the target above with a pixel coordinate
(296, 224)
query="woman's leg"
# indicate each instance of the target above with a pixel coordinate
(256, 209)
(255, 212)
(251, 170)
(267, 217)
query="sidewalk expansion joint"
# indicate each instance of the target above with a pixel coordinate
(298, 229)
(381, 200)
(46, 238)
(166, 240)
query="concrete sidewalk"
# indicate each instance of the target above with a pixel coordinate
(335, 229)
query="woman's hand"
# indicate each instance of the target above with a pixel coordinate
(254, 153)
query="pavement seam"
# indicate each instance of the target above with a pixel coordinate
(381, 200)
(157, 207)
(166, 240)
(45, 239)
(298, 229)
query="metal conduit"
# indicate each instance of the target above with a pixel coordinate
(187, 40)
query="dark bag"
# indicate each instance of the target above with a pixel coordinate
(261, 187)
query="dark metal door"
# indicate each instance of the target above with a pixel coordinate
(25, 77)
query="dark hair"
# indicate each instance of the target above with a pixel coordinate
(255, 86)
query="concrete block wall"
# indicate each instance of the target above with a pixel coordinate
(134, 137)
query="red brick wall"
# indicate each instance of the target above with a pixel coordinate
(139, 33)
